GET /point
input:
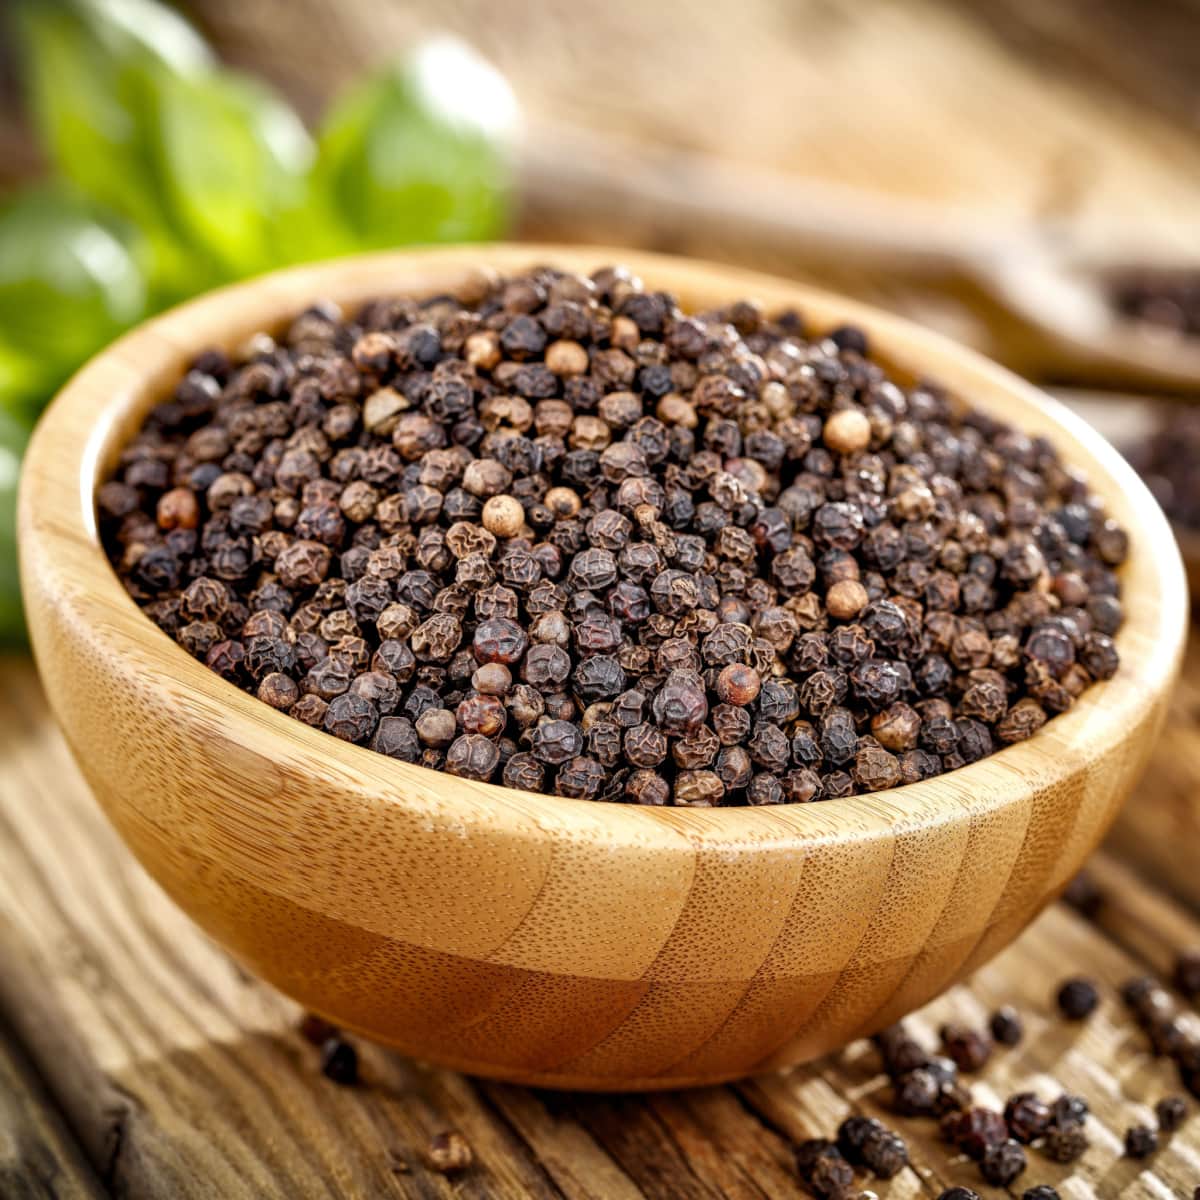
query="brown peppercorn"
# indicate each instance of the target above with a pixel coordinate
(566, 358)
(1065, 1145)
(503, 516)
(698, 789)
(896, 727)
(492, 679)
(969, 1048)
(481, 714)
(847, 431)
(1028, 1117)
(738, 684)
(846, 599)
(975, 1131)
(177, 509)
(884, 1153)
(563, 502)
(278, 690)
(436, 727)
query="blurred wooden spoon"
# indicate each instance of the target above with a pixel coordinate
(1038, 302)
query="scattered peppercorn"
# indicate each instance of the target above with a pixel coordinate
(1171, 1112)
(552, 532)
(1169, 462)
(851, 1135)
(1065, 1145)
(339, 1061)
(1006, 1026)
(1077, 999)
(822, 1168)
(1028, 1117)
(960, 1193)
(1068, 1111)
(1002, 1163)
(1169, 300)
(1140, 1141)
(1043, 1191)
(969, 1048)
(449, 1153)
(885, 1153)
(831, 1177)
(975, 1130)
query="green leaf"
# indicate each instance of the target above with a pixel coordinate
(230, 157)
(68, 286)
(13, 436)
(419, 153)
(86, 64)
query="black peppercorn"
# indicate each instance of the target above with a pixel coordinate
(1140, 1141)
(1006, 1026)
(1002, 1163)
(339, 1061)
(1077, 998)
(1171, 1112)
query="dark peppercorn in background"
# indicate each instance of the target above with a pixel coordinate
(553, 532)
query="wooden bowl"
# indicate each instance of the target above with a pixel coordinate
(539, 939)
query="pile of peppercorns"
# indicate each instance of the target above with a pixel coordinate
(1167, 299)
(929, 1085)
(554, 533)
(1169, 462)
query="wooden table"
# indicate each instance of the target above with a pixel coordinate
(137, 1060)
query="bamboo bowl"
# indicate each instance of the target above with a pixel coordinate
(534, 938)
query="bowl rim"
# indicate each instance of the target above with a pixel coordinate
(93, 416)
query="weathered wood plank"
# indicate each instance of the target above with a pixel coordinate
(1148, 924)
(39, 1159)
(185, 1078)
(914, 83)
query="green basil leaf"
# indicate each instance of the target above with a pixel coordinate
(419, 153)
(13, 436)
(230, 156)
(85, 63)
(68, 286)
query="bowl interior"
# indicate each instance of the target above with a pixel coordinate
(80, 439)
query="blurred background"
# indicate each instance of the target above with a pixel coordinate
(1022, 175)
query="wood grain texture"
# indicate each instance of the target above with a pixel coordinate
(185, 1079)
(39, 1159)
(1011, 110)
(534, 938)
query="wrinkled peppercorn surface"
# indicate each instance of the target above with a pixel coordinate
(552, 532)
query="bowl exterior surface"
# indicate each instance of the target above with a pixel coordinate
(533, 938)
